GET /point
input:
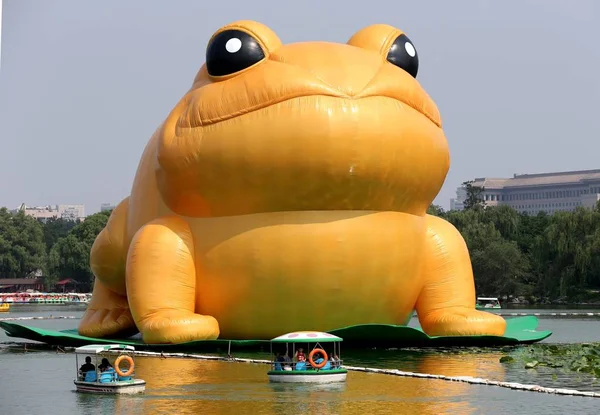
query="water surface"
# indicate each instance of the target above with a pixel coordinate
(184, 386)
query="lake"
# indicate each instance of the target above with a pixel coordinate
(41, 381)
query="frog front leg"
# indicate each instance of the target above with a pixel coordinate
(446, 304)
(161, 284)
(108, 313)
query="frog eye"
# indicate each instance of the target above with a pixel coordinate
(403, 54)
(232, 51)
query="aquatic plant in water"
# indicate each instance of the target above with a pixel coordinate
(580, 358)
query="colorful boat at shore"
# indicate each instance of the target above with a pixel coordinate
(39, 298)
(103, 377)
(291, 365)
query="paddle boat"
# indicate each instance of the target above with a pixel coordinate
(488, 302)
(4, 307)
(100, 376)
(290, 364)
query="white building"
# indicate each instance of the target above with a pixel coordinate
(533, 193)
(71, 212)
(43, 213)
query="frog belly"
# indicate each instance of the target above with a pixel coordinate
(267, 274)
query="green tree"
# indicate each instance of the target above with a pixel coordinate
(70, 255)
(500, 268)
(22, 248)
(567, 253)
(436, 210)
(56, 228)
(505, 219)
(474, 198)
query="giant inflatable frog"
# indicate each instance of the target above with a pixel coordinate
(287, 190)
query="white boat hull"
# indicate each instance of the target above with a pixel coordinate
(119, 388)
(322, 377)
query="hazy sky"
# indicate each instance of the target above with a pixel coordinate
(84, 84)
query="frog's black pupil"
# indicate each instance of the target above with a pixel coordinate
(403, 54)
(242, 51)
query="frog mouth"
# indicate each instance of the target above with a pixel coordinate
(238, 98)
(201, 120)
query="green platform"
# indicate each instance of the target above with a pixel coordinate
(519, 330)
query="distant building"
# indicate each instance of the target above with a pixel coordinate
(458, 203)
(106, 206)
(43, 213)
(533, 193)
(71, 212)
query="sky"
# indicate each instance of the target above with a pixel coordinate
(83, 85)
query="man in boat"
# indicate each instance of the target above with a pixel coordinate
(86, 367)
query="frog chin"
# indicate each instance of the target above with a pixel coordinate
(203, 205)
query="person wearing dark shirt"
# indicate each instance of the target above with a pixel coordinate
(87, 366)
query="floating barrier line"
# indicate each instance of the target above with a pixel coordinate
(390, 372)
(395, 372)
(548, 314)
(479, 381)
(38, 318)
(504, 314)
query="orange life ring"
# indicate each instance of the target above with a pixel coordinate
(312, 362)
(118, 369)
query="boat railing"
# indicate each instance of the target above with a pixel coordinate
(97, 376)
(304, 366)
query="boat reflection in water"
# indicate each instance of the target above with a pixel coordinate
(185, 386)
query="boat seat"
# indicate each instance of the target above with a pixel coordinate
(327, 365)
(90, 376)
(108, 376)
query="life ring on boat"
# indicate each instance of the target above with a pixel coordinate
(312, 362)
(118, 362)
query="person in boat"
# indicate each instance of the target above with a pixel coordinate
(105, 365)
(278, 361)
(300, 357)
(107, 372)
(86, 367)
(320, 359)
(288, 362)
(335, 360)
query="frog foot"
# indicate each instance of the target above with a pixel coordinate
(107, 315)
(107, 322)
(175, 326)
(462, 321)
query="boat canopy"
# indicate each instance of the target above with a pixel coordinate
(101, 348)
(487, 298)
(306, 336)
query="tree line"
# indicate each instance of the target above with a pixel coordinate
(59, 248)
(542, 257)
